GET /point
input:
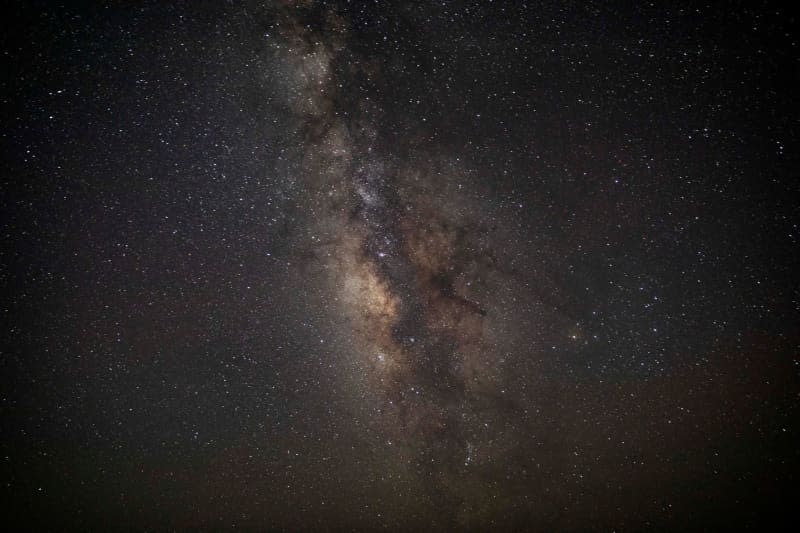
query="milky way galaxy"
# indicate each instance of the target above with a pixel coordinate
(408, 255)
(332, 265)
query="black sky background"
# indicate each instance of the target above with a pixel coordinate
(615, 189)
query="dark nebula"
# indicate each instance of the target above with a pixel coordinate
(307, 265)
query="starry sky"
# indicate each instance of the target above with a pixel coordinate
(456, 265)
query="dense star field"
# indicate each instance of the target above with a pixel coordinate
(300, 265)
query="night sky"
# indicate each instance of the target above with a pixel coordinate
(454, 265)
